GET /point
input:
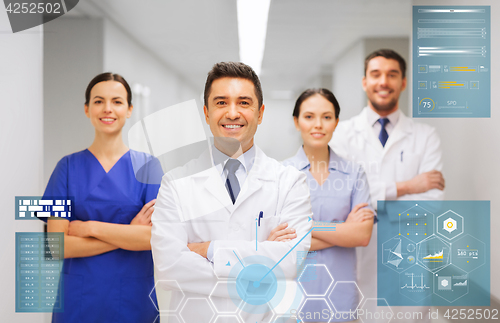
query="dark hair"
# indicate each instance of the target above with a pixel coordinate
(327, 94)
(108, 77)
(234, 70)
(389, 54)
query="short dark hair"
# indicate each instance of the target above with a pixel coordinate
(104, 77)
(327, 94)
(389, 54)
(234, 70)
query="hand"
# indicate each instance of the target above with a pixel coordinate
(281, 233)
(80, 229)
(200, 248)
(422, 183)
(360, 213)
(144, 215)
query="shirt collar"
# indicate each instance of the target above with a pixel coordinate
(374, 116)
(336, 163)
(246, 159)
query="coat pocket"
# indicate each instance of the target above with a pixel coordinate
(407, 166)
(267, 224)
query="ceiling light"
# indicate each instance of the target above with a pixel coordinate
(252, 28)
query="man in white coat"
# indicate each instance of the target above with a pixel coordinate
(214, 216)
(402, 158)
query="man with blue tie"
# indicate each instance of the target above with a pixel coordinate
(402, 158)
(228, 210)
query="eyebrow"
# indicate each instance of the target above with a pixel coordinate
(246, 98)
(219, 98)
(239, 98)
(391, 71)
(100, 97)
(310, 112)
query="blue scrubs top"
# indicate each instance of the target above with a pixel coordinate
(114, 286)
(345, 187)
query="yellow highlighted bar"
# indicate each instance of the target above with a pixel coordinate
(449, 84)
(463, 68)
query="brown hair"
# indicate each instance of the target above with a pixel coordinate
(389, 54)
(327, 94)
(104, 77)
(234, 70)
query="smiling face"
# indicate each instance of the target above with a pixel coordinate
(233, 111)
(316, 121)
(108, 108)
(383, 83)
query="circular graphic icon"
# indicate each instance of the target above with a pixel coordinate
(450, 225)
(256, 284)
(427, 104)
(411, 259)
(410, 247)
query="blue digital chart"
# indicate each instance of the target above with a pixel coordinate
(39, 260)
(451, 61)
(433, 253)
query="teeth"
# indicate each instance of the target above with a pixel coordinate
(232, 126)
(383, 92)
(107, 119)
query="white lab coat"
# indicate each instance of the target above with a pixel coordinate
(411, 149)
(194, 206)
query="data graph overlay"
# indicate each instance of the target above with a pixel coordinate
(415, 284)
(433, 253)
(36, 207)
(39, 260)
(451, 62)
(451, 283)
(447, 263)
(399, 253)
(468, 253)
(416, 223)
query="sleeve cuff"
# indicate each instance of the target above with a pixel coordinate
(210, 252)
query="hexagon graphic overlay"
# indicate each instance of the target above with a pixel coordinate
(451, 283)
(450, 225)
(468, 253)
(433, 253)
(309, 282)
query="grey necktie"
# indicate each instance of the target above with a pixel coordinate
(232, 184)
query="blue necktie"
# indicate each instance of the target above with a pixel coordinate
(232, 184)
(383, 135)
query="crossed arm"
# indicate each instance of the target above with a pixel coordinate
(90, 238)
(356, 231)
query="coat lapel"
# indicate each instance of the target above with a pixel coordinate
(261, 172)
(402, 129)
(209, 179)
(361, 125)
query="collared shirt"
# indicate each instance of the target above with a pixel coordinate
(376, 126)
(220, 159)
(391, 190)
(246, 162)
(345, 187)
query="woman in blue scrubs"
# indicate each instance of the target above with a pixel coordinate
(339, 193)
(108, 267)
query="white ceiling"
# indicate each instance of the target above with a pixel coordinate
(303, 36)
